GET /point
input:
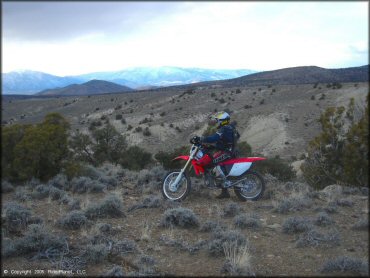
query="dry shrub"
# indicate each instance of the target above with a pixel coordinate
(104, 228)
(231, 209)
(73, 204)
(315, 239)
(296, 224)
(6, 187)
(183, 245)
(331, 207)
(41, 191)
(295, 202)
(211, 225)
(84, 184)
(124, 247)
(150, 201)
(17, 217)
(181, 217)
(345, 202)
(150, 179)
(215, 246)
(60, 181)
(40, 240)
(96, 253)
(111, 206)
(73, 220)
(146, 264)
(56, 193)
(346, 264)
(243, 221)
(323, 219)
(22, 195)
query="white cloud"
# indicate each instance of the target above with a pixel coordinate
(255, 35)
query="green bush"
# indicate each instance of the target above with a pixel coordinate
(244, 149)
(277, 167)
(135, 158)
(166, 158)
(340, 153)
(81, 144)
(35, 150)
(109, 144)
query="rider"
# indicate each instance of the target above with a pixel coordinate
(224, 140)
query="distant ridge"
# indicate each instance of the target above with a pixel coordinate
(30, 82)
(93, 87)
(298, 75)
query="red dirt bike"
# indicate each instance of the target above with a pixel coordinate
(234, 172)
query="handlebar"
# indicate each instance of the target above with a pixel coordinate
(195, 140)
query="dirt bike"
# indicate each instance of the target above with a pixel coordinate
(234, 172)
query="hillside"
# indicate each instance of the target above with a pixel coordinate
(93, 87)
(295, 75)
(276, 119)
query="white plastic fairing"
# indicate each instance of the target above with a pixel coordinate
(239, 168)
(199, 154)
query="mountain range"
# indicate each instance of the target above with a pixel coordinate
(30, 82)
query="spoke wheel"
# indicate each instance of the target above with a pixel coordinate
(179, 192)
(250, 186)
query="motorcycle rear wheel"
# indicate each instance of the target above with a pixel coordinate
(252, 187)
(182, 190)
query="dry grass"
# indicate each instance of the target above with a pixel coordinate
(238, 259)
(145, 231)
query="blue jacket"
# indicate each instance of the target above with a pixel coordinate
(224, 138)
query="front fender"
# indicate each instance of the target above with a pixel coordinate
(181, 157)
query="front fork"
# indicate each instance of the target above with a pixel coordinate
(173, 186)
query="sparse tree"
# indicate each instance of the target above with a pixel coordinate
(340, 153)
(110, 144)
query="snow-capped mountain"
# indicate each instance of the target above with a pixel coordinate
(163, 76)
(30, 82)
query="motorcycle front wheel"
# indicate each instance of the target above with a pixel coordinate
(250, 186)
(179, 192)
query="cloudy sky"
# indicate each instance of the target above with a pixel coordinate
(66, 38)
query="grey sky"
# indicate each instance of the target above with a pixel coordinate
(78, 37)
(47, 21)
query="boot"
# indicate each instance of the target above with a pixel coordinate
(224, 194)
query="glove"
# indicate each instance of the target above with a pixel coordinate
(195, 140)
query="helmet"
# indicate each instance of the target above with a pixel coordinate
(221, 118)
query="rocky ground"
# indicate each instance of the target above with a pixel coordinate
(293, 230)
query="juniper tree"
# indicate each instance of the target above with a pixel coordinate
(339, 154)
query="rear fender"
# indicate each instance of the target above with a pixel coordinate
(241, 159)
